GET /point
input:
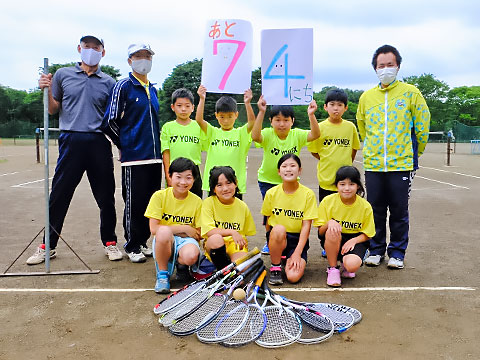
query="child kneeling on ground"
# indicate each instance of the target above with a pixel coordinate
(290, 208)
(174, 215)
(345, 225)
(226, 220)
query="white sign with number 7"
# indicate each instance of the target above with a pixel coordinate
(227, 59)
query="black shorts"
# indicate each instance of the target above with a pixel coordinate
(292, 242)
(359, 249)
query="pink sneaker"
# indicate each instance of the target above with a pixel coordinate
(333, 277)
(345, 274)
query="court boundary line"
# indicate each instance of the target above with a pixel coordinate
(451, 172)
(442, 182)
(309, 289)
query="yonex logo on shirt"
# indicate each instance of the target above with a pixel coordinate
(226, 142)
(294, 214)
(276, 151)
(276, 211)
(349, 224)
(178, 219)
(185, 139)
(173, 138)
(227, 225)
(341, 142)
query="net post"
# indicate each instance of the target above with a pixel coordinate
(448, 150)
(46, 187)
(37, 144)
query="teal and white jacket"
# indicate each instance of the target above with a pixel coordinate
(393, 123)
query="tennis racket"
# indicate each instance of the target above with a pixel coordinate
(189, 290)
(231, 319)
(186, 307)
(339, 314)
(208, 310)
(283, 328)
(256, 322)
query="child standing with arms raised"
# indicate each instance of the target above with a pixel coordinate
(226, 220)
(345, 224)
(182, 137)
(337, 145)
(279, 140)
(290, 208)
(226, 145)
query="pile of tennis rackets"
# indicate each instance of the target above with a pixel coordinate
(235, 306)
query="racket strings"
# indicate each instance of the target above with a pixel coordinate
(253, 328)
(200, 317)
(184, 308)
(177, 298)
(283, 327)
(341, 320)
(320, 323)
(229, 321)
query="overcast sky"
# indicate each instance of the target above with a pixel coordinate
(438, 37)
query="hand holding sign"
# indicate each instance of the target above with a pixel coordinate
(227, 60)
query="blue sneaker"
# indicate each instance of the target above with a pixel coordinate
(265, 249)
(162, 286)
(324, 253)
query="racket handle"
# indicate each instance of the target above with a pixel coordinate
(247, 256)
(261, 278)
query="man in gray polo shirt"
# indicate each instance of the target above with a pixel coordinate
(79, 94)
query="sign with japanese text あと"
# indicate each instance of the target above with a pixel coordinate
(227, 58)
(287, 66)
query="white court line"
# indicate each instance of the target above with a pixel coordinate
(452, 172)
(30, 182)
(408, 288)
(13, 173)
(442, 182)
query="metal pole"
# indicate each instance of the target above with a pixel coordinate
(47, 187)
(37, 144)
(448, 150)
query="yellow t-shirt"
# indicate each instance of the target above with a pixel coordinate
(182, 140)
(355, 218)
(165, 207)
(289, 210)
(146, 85)
(274, 148)
(236, 216)
(334, 146)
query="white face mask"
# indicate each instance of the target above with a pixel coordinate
(142, 66)
(387, 75)
(91, 57)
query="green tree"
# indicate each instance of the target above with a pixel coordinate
(107, 69)
(465, 101)
(435, 93)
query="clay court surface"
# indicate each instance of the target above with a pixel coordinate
(429, 310)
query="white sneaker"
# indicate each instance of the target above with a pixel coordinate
(395, 263)
(136, 257)
(39, 256)
(373, 260)
(146, 250)
(112, 251)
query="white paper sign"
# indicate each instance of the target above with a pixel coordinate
(287, 66)
(227, 58)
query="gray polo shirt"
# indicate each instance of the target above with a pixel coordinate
(83, 99)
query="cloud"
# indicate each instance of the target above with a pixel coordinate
(436, 37)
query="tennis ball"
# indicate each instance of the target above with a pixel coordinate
(239, 294)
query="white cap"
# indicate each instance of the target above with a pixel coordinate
(132, 49)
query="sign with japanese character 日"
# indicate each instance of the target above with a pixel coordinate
(287, 66)
(227, 59)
